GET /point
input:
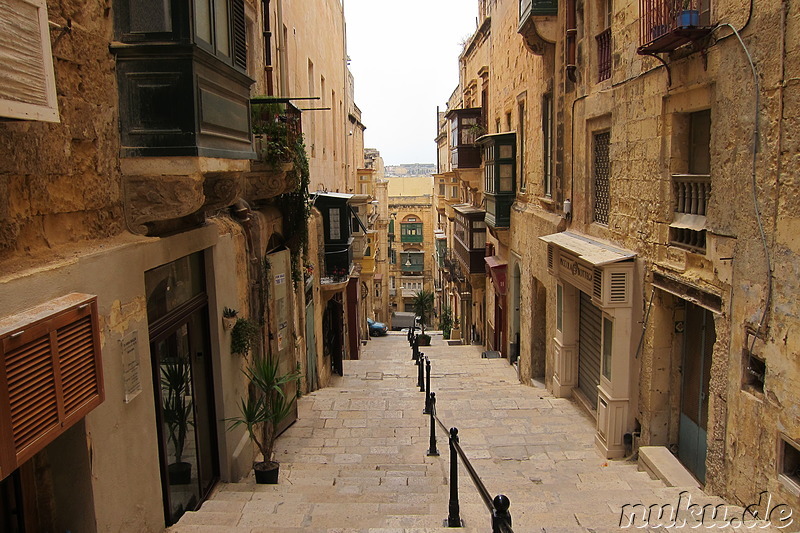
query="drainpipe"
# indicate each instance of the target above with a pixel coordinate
(282, 54)
(572, 34)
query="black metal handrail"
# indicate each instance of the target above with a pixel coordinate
(497, 506)
(503, 524)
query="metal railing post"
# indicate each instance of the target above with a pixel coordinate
(453, 517)
(427, 409)
(432, 451)
(420, 376)
(500, 514)
(415, 349)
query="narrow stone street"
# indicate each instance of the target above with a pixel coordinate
(356, 460)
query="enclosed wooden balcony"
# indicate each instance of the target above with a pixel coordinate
(469, 239)
(500, 177)
(466, 125)
(666, 25)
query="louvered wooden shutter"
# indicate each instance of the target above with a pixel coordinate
(50, 375)
(27, 78)
(239, 34)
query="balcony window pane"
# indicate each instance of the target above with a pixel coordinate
(202, 19)
(506, 151)
(506, 171)
(222, 26)
(478, 240)
(506, 185)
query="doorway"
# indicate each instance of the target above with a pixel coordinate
(332, 324)
(180, 351)
(698, 343)
(589, 337)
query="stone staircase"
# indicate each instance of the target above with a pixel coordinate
(355, 461)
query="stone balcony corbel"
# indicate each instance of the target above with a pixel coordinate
(538, 26)
(167, 189)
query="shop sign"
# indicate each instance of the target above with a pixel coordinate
(573, 271)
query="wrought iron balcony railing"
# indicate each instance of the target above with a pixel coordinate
(604, 55)
(277, 128)
(668, 24)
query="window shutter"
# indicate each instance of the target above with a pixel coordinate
(50, 375)
(27, 78)
(239, 34)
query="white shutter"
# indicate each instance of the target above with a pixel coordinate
(27, 79)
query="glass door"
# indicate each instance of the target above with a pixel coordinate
(182, 377)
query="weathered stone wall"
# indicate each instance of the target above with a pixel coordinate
(59, 183)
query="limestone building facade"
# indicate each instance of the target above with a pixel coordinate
(646, 227)
(411, 243)
(136, 205)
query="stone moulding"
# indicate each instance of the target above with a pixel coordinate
(152, 196)
(264, 182)
(539, 34)
(157, 198)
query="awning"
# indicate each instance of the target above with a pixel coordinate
(497, 269)
(687, 221)
(589, 250)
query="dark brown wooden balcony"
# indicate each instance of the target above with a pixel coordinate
(666, 25)
(466, 125)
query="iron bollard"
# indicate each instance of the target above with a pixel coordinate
(453, 518)
(432, 451)
(500, 515)
(420, 376)
(415, 350)
(427, 409)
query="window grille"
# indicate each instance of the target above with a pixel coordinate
(604, 55)
(602, 173)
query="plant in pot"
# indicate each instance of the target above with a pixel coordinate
(266, 405)
(228, 318)
(687, 15)
(244, 333)
(423, 308)
(177, 413)
(446, 321)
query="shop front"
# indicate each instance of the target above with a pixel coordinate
(594, 346)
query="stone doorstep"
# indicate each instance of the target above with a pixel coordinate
(659, 463)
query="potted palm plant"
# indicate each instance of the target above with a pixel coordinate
(177, 413)
(266, 405)
(423, 307)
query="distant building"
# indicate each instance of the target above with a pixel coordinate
(414, 169)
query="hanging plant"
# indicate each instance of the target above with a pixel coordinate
(244, 334)
(296, 210)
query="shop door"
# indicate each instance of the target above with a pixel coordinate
(589, 349)
(698, 342)
(499, 324)
(182, 375)
(311, 349)
(281, 325)
(180, 353)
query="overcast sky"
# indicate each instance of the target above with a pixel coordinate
(404, 57)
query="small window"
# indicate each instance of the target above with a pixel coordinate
(789, 467)
(754, 369)
(608, 330)
(560, 308)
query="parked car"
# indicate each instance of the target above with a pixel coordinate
(376, 329)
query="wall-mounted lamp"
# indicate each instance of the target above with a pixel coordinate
(567, 209)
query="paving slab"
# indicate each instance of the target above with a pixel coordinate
(356, 460)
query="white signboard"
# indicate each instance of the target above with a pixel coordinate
(130, 365)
